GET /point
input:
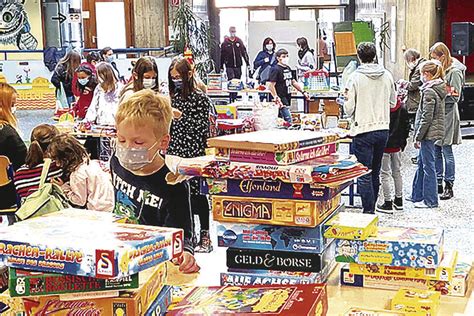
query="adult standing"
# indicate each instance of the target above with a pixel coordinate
(64, 73)
(108, 56)
(369, 97)
(323, 52)
(232, 52)
(264, 61)
(454, 78)
(306, 60)
(413, 60)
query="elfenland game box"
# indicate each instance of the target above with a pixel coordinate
(85, 247)
(272, 237)
(264, 300)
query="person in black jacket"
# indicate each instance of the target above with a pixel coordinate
(232, 52)
(64, 73)
(391, 161)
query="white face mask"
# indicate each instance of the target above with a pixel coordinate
(423, 79)
(269, 47)
(135, 158)
(13, 109)
(411, 65)
(286, 61)
(232, 34)
(149, 83)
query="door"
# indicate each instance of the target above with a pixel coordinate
(108, 23)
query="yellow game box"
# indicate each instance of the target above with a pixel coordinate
(273, 211)
(444, 272)
(355, 311)
(134, 302)
(352, 226)
(416, 302)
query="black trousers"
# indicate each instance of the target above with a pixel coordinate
(233, 73)
(200, 207)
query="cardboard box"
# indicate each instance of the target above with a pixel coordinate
(3, 278)
(161, 303)
(279, 260)
(29, 283)
(460, 282)
(226, 111)
(81, 214)
(214, 82)
(254, 188)
(85, 247)
(416, 302)
(395, 246)
(265, 300)
(444, 272)
(270, 237)
(128, 303)
(352, 226)
(273, 211)
(355, 311)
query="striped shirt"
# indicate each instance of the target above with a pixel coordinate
(27, 180)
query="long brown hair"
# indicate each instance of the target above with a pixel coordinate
(184, 68)
(41, 137)
(6, 104)
(107, 74)
(443, 53)
(68, 153)
(71, 61)
(433, 68)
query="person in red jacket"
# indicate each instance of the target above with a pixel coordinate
(84, 83)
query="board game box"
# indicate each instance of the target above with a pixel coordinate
(351, 226)
(133, 302)
(264, 300)
(460, 282)
(3, 278)
(356, 311)
(273, 140)
(271, 237)
(279, 260)
(269, 189)
(284, 158)
(444, 272)
(28, 283)
(92, 248)
(161, 303)
(395, 246)
(416, 302)
(272, 211)
(82, 214)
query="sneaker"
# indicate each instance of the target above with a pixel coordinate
(409, 199)
(422, 204)
(414, 160)
(398, 204)
(385, 208)
(205, 246)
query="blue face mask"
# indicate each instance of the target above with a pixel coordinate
(178, 83)
(110, 58)
(83, 82)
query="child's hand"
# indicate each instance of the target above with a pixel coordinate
(57, 181)
(187, 263)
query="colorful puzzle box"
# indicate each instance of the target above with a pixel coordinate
(264, 300)
(161, 303)
(416, 302)
(273, 211)
(351, 226)
(269, 189)
(279, 260)
(92, 248)
(395, 246)
(271, 237)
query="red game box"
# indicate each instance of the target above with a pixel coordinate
(262, 300)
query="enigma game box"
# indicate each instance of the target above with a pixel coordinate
(262, 300)
(395, 246)
(84, 247)
(251, 188)
(273, 212)
(271, 237)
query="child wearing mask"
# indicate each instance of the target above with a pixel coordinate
(84, 182)
(106, 97)
(64, 73)
(139, 172)
(83, 86)
(189, 134)
(27, 177)
(265, 60)
(429, 128)
(280, 82)
(144, 76)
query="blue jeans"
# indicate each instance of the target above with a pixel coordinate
(368, 148)
(285, 114)
(447, 170)
(425, 185)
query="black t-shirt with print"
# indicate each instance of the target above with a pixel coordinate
(282, 76)
(151, 201)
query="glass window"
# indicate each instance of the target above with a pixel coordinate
(245, 3)
(302, 15)
(262, 15)
(315, 2)
(234, 17)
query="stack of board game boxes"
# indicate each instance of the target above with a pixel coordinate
(81, 262)
(395, 257)
(272, 192)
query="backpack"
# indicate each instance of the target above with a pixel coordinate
(48, 199)
(264, 75)
(51, 57)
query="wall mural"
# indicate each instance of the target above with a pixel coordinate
(15, 26)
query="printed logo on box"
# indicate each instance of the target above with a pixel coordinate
(229, 237)
(104, 263)
(177, 244)
(119, 309)
(234, 209)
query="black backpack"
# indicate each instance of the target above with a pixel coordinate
(51, 57)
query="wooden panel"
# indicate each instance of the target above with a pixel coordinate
(150, 23)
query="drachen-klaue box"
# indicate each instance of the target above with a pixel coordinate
(272, 237)
(272, 211)
(395, 246)
(444, 272)
(93, 248)
(255, 188)
(29, 283)
(279, 260)
(351, 226)
(161, 303)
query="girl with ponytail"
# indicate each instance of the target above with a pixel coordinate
(28, 176)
